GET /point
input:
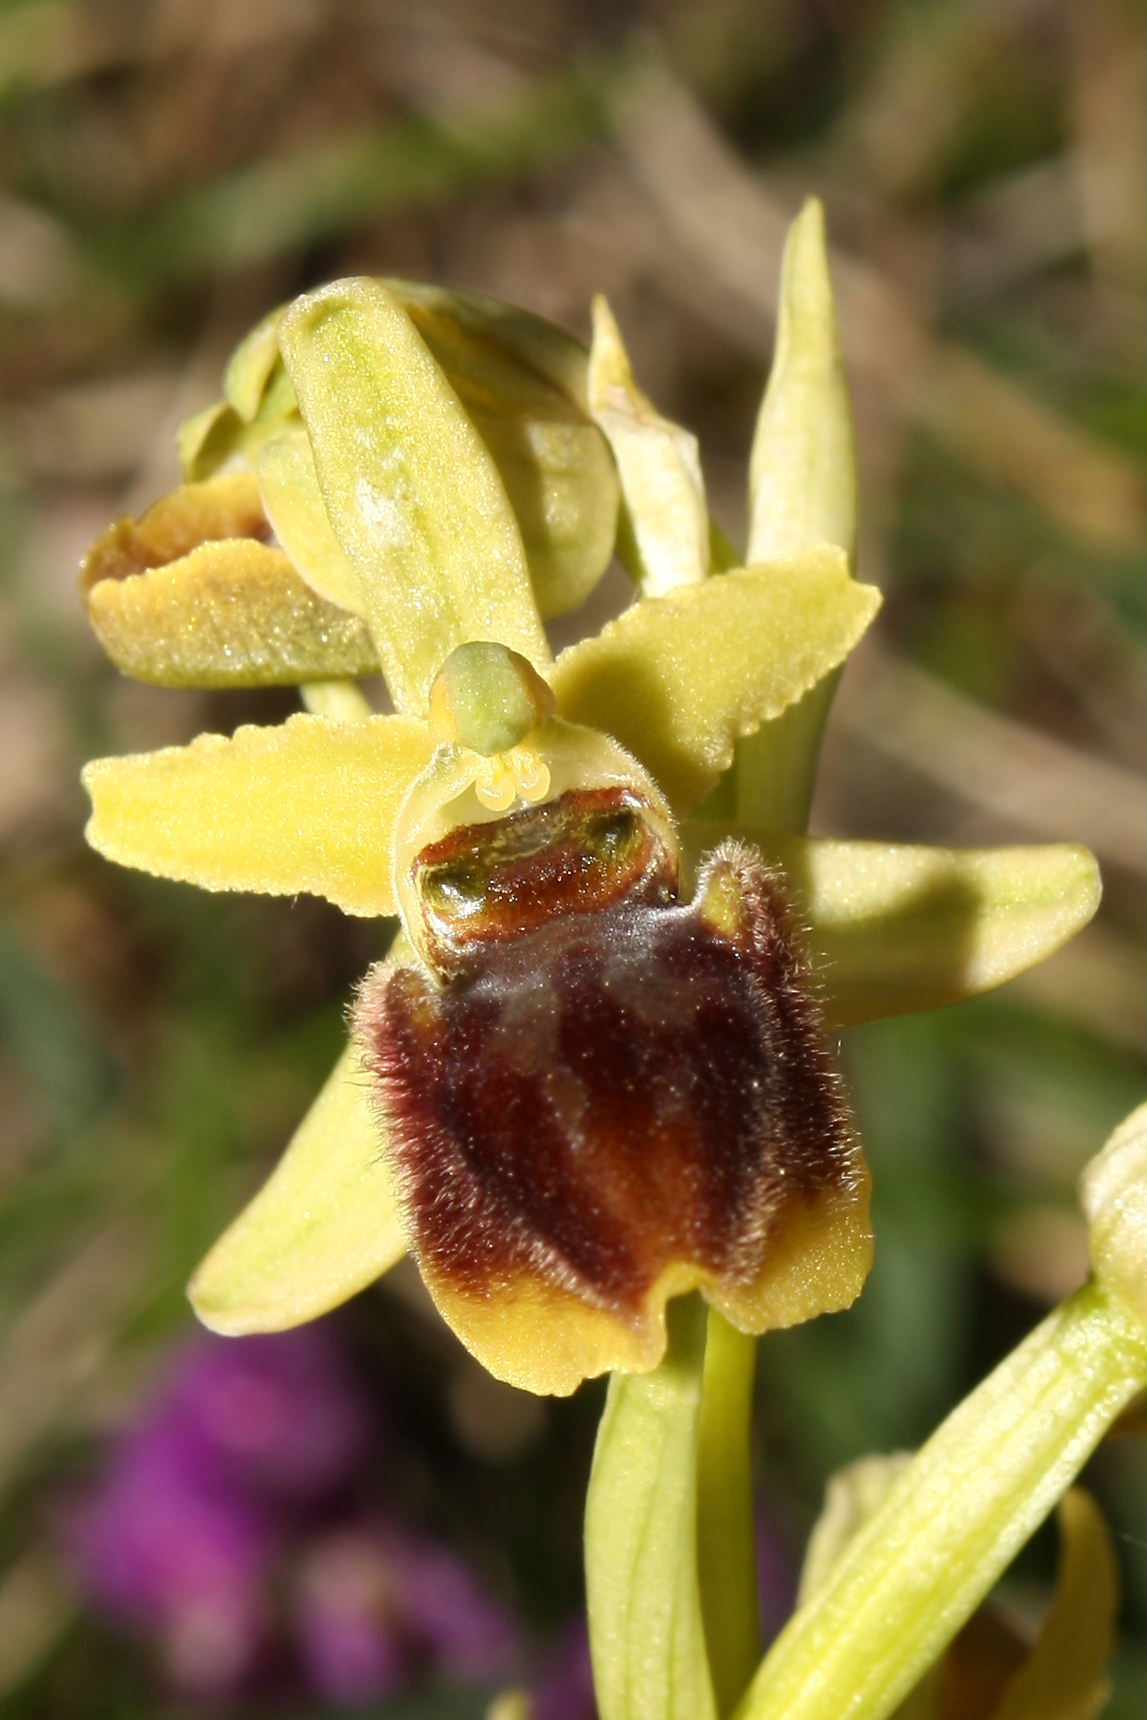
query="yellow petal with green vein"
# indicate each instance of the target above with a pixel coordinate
(411, 491)
(1066, 1675)
(295, 507)
(323, 1226)
(231, 614)
(308, 805)
(678, 679)
(896, 927)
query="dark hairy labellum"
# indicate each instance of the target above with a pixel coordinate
(607, 1096)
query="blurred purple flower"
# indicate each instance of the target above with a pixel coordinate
(233, 1526)
(564, 1690)
(283, 1414)
(377, 1604)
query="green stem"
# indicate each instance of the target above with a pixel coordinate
(646, 1633)
(726, 1542)
(956, 1518)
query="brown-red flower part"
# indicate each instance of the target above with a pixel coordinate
(605, 1096)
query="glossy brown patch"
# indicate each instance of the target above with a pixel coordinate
(619, 1099)
(488, 884)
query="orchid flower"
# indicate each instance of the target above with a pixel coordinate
(412, 481)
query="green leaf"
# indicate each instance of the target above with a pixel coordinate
(323, 1226)
(954, 1520)
(411, 492)
(649, 1657)
(307, 805)
(895, 928)
(678, 679)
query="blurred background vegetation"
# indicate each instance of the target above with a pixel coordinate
(172, 168)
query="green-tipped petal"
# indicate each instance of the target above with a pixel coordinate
(323, 1226)
(678, 679)
(970, 1498)
(411, 492)
(1065, 1677)
(295, 507)
(802, 472)
(896, 928)
(231, 614)
(308, 805)
(1113, 1193)
(661, 484)
(649, 1657)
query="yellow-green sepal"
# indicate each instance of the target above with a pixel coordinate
(895, 927)
(252, 366)
(192, 595)
(308, 805)
(988, 1673)
(323, 1226)
(412, 493)
(259, 401)
(521, 379)
(679, 679)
